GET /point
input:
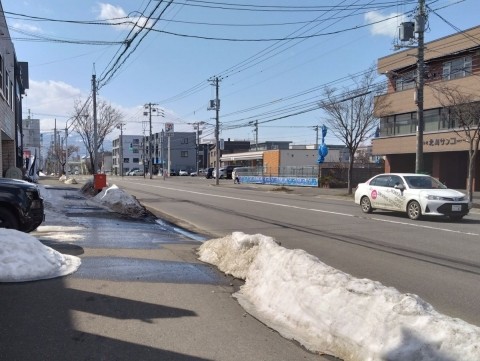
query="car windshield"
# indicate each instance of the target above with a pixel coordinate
(424, 182)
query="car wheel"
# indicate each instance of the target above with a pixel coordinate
(413, 210)
(8, 219)
(366, 205)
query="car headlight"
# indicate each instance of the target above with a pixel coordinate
(449, 199)
(437, 198)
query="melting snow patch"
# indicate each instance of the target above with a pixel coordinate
(24, 258)
(331, 312)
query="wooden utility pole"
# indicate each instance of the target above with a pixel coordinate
(95, 125)
(420, 29)
(215, 105)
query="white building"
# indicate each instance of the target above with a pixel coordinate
(127, 153)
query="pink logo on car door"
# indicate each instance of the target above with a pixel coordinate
(374, 194)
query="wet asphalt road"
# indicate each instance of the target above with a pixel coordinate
(140, 294)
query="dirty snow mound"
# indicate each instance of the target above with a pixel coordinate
(121, 202)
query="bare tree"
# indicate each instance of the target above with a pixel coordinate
(350, 114)
(63, 154)
(462, 109)
(108, 118)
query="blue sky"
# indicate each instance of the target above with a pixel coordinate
(65, 42)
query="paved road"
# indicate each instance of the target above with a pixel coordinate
(435, 259)
(140, 294)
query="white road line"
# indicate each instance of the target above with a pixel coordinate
(313, 210)
(427, 227)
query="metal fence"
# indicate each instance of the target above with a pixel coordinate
(334, 175)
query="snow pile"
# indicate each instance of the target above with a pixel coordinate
(24, 258)
(121, 202)
(71, 181)
(331, 312)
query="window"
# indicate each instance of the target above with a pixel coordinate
(457, 68)
(381, 181)
(7, 88)
(2, 65)
(403, 124)
(184, 154)
(406, 80)
(184, 141)
(136, 160)
(431, 120)
(395, 180)
(386, 126)
(126, 160)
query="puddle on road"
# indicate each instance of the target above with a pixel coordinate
(146, 270)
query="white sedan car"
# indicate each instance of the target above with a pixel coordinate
(415, 194)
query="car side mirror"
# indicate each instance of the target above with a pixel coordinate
(400, 187)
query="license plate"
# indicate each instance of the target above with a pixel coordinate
(456, 208)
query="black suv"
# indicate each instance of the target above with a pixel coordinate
(229, 169)
(21, 206)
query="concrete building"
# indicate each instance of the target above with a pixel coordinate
(31, 139)
(453, 61)
(179, 147)
(13, 82)
(127, 154)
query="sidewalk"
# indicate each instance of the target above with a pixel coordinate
(140, 294)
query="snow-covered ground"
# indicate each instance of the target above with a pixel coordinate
(325, 309)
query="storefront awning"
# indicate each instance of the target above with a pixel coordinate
(241, 156)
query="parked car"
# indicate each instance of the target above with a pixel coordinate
(131, 171)
(209, 173)
(229, 169)
(222, 173)
(21, 206)
(193, 174)
(182, 172)
(415, 194)
(138, 172)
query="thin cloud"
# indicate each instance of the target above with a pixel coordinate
(116, 15)
(386, 25)
(27, 28)
(50, 100)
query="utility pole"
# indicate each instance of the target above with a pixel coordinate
(316, 137)
(196, 127)
(121, 149)
(95, 125)
(420, 29)
(66, 151)
(150, 107)
(255, 124)
(162, 152)
(256, 135)
(55, 147)
(215, 105)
